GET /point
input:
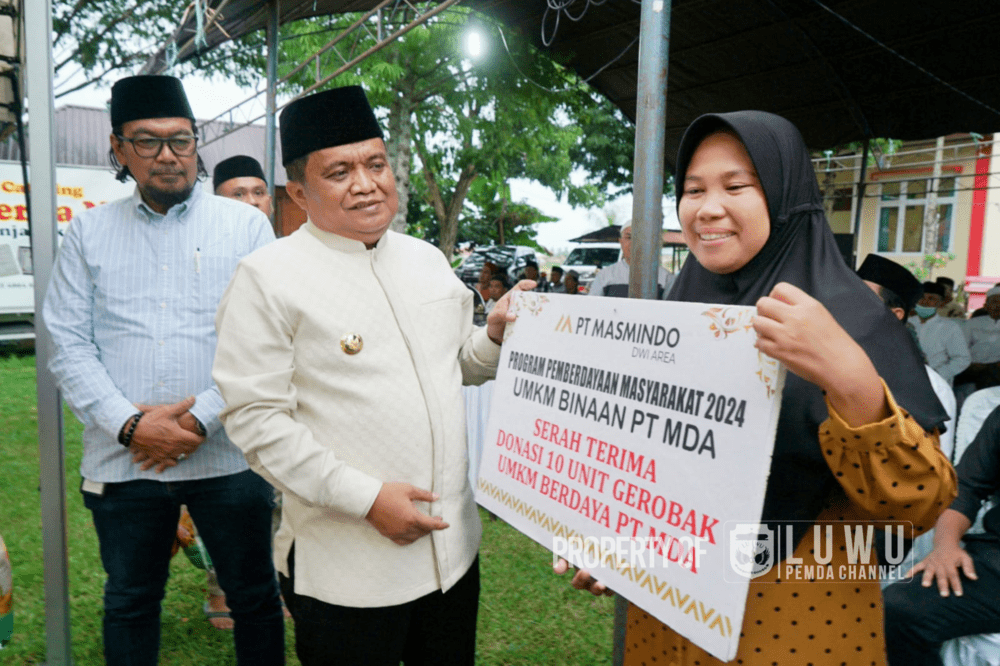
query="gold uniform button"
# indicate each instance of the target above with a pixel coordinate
(351, 343)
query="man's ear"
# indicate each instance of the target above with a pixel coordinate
(900, 314)
(118, 148)
(297, 192)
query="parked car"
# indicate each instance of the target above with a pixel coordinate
(588, 258)
(511, 258)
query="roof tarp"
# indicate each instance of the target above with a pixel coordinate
(840, 70)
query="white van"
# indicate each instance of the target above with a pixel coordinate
(588, 258)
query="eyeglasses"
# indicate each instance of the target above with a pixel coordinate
(182, 145)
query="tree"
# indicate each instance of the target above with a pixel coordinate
(92, 39)
(456, 131)
(458, 124)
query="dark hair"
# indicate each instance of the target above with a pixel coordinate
(557, 268)
(934, 288)
(501, 277)
(121, 171)
(296, 169)
(893, 300)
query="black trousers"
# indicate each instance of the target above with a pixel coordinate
(436, 629)
(918, 619)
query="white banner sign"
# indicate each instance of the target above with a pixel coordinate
(623, 435)
(78, 189)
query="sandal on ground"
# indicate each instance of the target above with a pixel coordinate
(211, 615)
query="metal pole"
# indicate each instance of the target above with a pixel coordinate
(42, 218)
(861, 202)
(651, 113)
(647, 190)
(270, 146)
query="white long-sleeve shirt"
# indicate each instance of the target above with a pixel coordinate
(613, 280)
(131, 307)
(944, 344)
(328, 427)
(983, 336)
(946, 395)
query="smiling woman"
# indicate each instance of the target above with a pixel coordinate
(723, 210)
(857, 436)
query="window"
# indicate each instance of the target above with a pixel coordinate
(901, 216)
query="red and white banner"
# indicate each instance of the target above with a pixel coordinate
(78, 188)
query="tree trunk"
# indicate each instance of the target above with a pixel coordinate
(931, 218)
(447, 214)
(400, 147)
(449, 226)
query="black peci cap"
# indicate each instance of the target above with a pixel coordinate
(237, 166)
(892, 276)
(140, 97)
(934, 288)
(330, 118)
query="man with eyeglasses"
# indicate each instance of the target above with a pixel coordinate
(131, 308)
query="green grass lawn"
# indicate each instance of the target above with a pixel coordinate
(526, 614)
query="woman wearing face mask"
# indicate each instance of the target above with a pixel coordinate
(857, 435)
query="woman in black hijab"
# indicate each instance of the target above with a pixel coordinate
(857, 435)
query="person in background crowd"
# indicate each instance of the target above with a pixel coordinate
(572, 281)
(857, 411)
(131, 308)
(240, 177)
(556, 286)
(531, 273)
(366, 438)
(983, 337)
(941, 339)
(958, 587)
(613, 280)
(488, 270)
(900, 290)
(949, 308)
(499, 285)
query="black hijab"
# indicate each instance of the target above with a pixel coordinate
(801, 250)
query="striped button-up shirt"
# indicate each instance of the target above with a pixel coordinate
(131, 310)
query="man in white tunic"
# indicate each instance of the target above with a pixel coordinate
(613, 280)
(983, 337)
(949, 308)
(941, 339)
(342, 353)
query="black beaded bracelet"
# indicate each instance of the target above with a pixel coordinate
(127, 439)
(121, 433)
